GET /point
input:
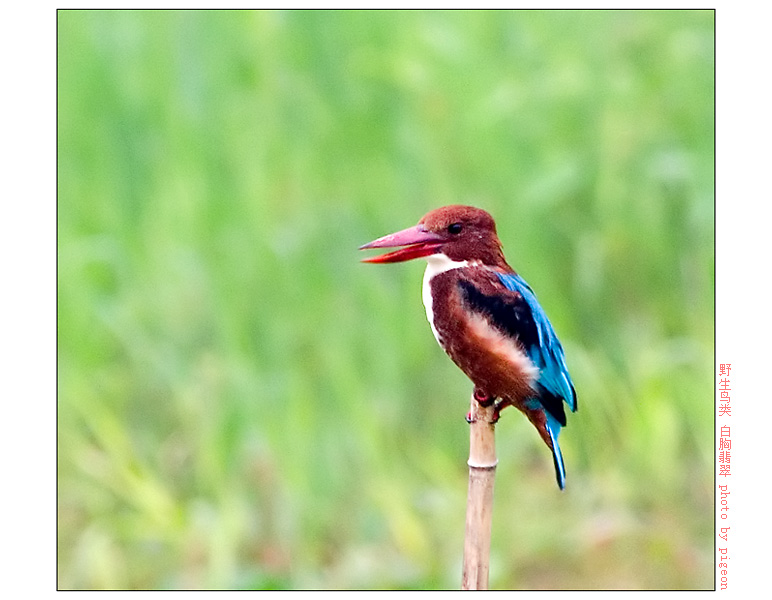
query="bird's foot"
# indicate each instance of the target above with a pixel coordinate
(498, 406)
(483, 399)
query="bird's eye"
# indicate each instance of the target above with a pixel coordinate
(455, 228)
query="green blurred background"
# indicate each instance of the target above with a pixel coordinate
(243, 404)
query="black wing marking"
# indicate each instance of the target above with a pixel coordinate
(511, 314)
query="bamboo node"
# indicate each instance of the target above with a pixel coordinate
(487, 467)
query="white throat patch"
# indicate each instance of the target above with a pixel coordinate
(436, 264)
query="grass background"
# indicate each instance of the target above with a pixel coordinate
(242, 404)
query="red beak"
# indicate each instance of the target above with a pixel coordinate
(418, 242)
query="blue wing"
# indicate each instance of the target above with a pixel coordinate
(545, 350)
(554, 383)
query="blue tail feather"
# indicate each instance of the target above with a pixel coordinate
(553, 427)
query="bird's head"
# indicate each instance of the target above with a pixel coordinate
(459, 232)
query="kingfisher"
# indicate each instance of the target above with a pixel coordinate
(487, 318)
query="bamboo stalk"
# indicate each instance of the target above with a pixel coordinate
(479, 505)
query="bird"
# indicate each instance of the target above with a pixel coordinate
(487, 318)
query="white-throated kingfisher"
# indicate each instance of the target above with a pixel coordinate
(487, 318)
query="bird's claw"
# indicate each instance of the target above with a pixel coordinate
(485, 400)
